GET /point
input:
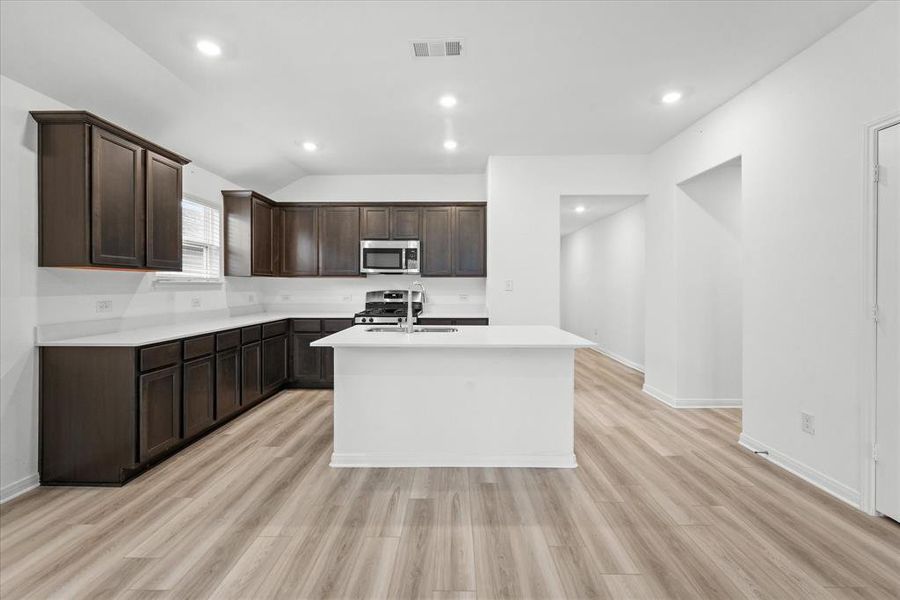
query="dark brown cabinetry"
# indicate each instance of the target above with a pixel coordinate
(311, 366)
(437, 241)
(228, 383)
(107, 197)
(263, 252)
(299, 241)
(274, 356)
(469, 241)
(405, 222)
(251, 243)
(375, 222)
(251, 382)
(452, 321)
(199, 397)
(160, 411)
(339, 241)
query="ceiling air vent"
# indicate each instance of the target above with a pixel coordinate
(433, 48)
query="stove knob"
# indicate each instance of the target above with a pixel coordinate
(371, 319)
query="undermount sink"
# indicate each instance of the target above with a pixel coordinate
(415, 329)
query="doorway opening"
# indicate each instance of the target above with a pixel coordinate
(709, 288)
(602, 245)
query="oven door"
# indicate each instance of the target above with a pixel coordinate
(382, 257)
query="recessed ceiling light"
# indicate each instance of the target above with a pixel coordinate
(579, 209)
(671, 97)
(447, 101)
(310, 146)
(209, 48)
(450, 145)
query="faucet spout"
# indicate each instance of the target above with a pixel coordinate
(409, 304)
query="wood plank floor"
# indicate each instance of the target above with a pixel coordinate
(664, 504)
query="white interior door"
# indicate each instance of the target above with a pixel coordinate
(887, 468)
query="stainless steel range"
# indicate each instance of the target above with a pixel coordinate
(389, 307)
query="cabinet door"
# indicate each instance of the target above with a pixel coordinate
(117, 200)
(405, 222)
(250, 375)
(199, 395)
(160, 411)
(375, 222)
(228, 383)
(163, 231)
(299, 241)
(339, 240)
(437, 241)
(306, 362)
(263, 238)
(469, 241)
(274, 363)
(328, 365)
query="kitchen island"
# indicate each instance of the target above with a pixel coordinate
(494, 396)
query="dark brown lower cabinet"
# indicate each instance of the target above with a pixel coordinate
(228, 383)
(251, 386)
(274, 363)
(310, 366)
(464, 321)
(328, 366)
(306, 361)
(199, 399)
(160, 411)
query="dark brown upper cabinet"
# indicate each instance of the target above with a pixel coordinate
(405, 222)
(250, 234)
(437, 241)
(299, 241)
(339, 241)
(469, 241)
(107, 198)
(163, 212)
(375, 222)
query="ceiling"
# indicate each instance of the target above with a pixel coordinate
(536, 77)
(595, 207)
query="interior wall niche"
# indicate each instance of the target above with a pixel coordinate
(709, 303)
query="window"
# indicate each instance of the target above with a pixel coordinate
(200, 244)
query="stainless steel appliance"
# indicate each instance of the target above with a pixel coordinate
(384, 256)
(389, 307)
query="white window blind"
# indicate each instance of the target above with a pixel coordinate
(200, 245)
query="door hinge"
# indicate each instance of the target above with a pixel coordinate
(875, 174)
(875, 313)
(875, 452)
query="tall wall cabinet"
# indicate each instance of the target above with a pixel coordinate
(107, 198)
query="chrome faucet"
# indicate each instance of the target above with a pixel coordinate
(409, 304)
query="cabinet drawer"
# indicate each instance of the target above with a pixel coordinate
(159, 356)
(470, 321)
(227, 340)
(199, 346)
(250, 334)
(273, 329)
(334, 325)
(306, 325)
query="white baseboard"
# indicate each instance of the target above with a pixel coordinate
(17, 488)
(804, 472)
(554, 461)
(619, 359)
(691, 402)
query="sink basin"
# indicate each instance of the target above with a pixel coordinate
(415, 329)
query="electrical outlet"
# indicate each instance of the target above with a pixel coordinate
(286, 297)
(195, 302)
(104, 306)
(251, 298)
(508, 285)
(347, 298)
(463, 297)
(596, 333)
(808, 423)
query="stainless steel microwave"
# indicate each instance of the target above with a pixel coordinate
(377, 256)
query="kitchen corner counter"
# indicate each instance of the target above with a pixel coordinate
(490, 336)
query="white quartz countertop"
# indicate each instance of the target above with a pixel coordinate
(164, 333)
(143, 336)
(489, 336)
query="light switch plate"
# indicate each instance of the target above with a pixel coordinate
(104, 306)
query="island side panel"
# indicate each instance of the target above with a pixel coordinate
(497, 407)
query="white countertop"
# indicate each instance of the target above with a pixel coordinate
(143, 336)
(490, 336)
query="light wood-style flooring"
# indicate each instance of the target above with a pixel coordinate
(664, 504)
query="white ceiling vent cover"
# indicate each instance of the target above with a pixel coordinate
(434, 48)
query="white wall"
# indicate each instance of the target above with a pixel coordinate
(708, 213)
(602, 284)
(799, 132)
(33, 296)
(523, 225)
(385, 188)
